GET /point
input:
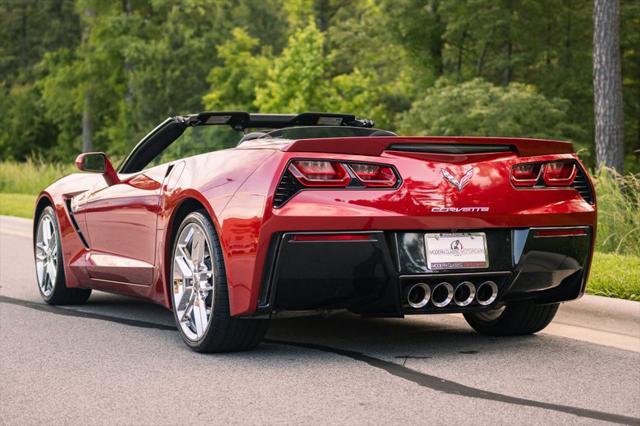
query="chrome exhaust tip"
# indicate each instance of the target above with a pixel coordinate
(418, 295)
(442, 294)
(464, 293)
(487, 293)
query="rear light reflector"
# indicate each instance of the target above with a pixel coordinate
(525, 174)
(320, 173)
(375, 175)
(559, 173)
(332, 237)
(559, 233)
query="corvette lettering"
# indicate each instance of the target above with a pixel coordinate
(459, 209)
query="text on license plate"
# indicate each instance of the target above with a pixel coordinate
(456, 251)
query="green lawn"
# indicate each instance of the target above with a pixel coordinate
(20, 205)
(612, 275)
(615, 275)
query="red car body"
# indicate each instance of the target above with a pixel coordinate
(117, 236)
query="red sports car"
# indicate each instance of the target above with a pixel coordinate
(320, 211)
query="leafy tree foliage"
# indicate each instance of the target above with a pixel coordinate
(495, 67)
(479, 108)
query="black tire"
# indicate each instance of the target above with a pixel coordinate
(61, 294)
(516, 319)
(224, 333)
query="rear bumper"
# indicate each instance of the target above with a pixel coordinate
(371, 275)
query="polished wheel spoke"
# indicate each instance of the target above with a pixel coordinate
(185, 305)
(51, 272)
(200, 315)
(182, 265)
(197, 250)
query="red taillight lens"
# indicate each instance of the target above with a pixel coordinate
(525, 174)
(375, 175)
(319, 173)
(559, 173)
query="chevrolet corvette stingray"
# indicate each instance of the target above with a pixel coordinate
(320, 211)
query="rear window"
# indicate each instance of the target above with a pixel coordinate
(310, 132)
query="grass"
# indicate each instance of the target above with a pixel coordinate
(618, 212)
(20, 205)
(616, 264)
(31, 177)
(615, 275)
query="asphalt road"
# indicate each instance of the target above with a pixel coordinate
(116, 360)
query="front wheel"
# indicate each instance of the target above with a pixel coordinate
(200, 293)
(513, 319)
(47, 250)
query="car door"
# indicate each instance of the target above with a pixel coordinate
(121, 225)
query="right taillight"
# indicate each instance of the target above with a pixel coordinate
(374, 175)
(525, 174)
(315, 173)
(559, 173)
(551, 173)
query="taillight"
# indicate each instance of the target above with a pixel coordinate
(320, 173)
(553, 173)
(525, 174)
(375, 175)
(559, 173)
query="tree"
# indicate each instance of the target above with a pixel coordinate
(243, 68)
(297, 78)
(607, 85)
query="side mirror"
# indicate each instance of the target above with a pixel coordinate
(97, 162)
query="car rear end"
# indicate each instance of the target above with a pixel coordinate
(388, 226)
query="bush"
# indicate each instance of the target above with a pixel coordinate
(479, 108)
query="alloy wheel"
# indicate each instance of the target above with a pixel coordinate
(46, 254)
(193, 281)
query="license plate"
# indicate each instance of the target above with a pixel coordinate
(456, 251)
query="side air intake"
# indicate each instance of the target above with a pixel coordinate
(287, 188)
(581, 184)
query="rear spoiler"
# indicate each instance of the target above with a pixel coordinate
(376, 145)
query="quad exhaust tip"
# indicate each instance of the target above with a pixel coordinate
(487, 293)
(418, 295)
(442, 294)
(464, 293)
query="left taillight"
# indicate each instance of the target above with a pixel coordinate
(315, 173)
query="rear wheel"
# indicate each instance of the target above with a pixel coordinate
(49, 263)
(200, 293)
(513, 319)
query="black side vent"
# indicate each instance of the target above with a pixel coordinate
(441, 148)
(581, 184)
(287, 188)
(74, 223)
